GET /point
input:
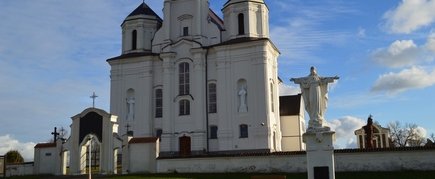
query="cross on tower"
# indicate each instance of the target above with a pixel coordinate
(93, 99)
(55, 134)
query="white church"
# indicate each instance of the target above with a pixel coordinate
(188, 84)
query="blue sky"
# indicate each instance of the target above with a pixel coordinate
(52, 57)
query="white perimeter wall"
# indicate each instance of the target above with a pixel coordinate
(352, 161)
(19, 169)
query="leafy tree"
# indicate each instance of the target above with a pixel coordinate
(13, 156)
(408, 135)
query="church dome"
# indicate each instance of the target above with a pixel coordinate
(143, 10)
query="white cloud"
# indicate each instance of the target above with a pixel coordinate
(344, 129)
(412, 78)
(361, 33)
(8, 143)
(430, 44)
(410, 15)
(401, 53)
(285, 90)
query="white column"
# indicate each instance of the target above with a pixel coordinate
(140, 38)
(224, 103)
(168, 97)
(320, 153)
(167, 21)
(198, 108)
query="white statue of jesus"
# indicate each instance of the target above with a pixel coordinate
(315, 93)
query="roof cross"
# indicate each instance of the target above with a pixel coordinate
(93, 99)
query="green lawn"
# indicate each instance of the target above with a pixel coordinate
(347, 175)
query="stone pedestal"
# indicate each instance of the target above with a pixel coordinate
(320, 153)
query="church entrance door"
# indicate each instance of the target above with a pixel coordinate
(184, 146)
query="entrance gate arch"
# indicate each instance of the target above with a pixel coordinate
(102, 127)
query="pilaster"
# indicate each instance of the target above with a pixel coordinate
(168, 110)
(320, 154)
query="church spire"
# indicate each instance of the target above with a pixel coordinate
(138, 29)
(144, 9)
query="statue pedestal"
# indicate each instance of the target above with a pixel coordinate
(320, 153)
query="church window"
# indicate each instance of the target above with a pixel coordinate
(212, 104)
(134, 40)
(185, 31)
(159, 134)
(243, 131)
(184, 107)
(241, 21)
(213, 132)
(183, 78)
(159, 103)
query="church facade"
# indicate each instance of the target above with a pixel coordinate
(196, 93)
(190, 84)
(198, 82)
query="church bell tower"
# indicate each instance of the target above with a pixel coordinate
(246, 18)
(138, 29)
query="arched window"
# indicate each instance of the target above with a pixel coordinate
(159, 103)
(212, 100)
(184, 107)
(134, 40)
(213, 132)
(183, 78)
(243, 131)
(241, 21)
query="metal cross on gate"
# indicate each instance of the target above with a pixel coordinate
(55, 134)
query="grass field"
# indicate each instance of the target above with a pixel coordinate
(347, 175)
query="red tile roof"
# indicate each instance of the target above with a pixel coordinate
(45, 145)
(138, 140)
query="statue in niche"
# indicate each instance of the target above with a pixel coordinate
(130, 105)
(315, 94)
(368, 129)
(242, 97)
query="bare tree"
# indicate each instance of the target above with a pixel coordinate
(408, 135)
(432, 137)
(63, 133)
